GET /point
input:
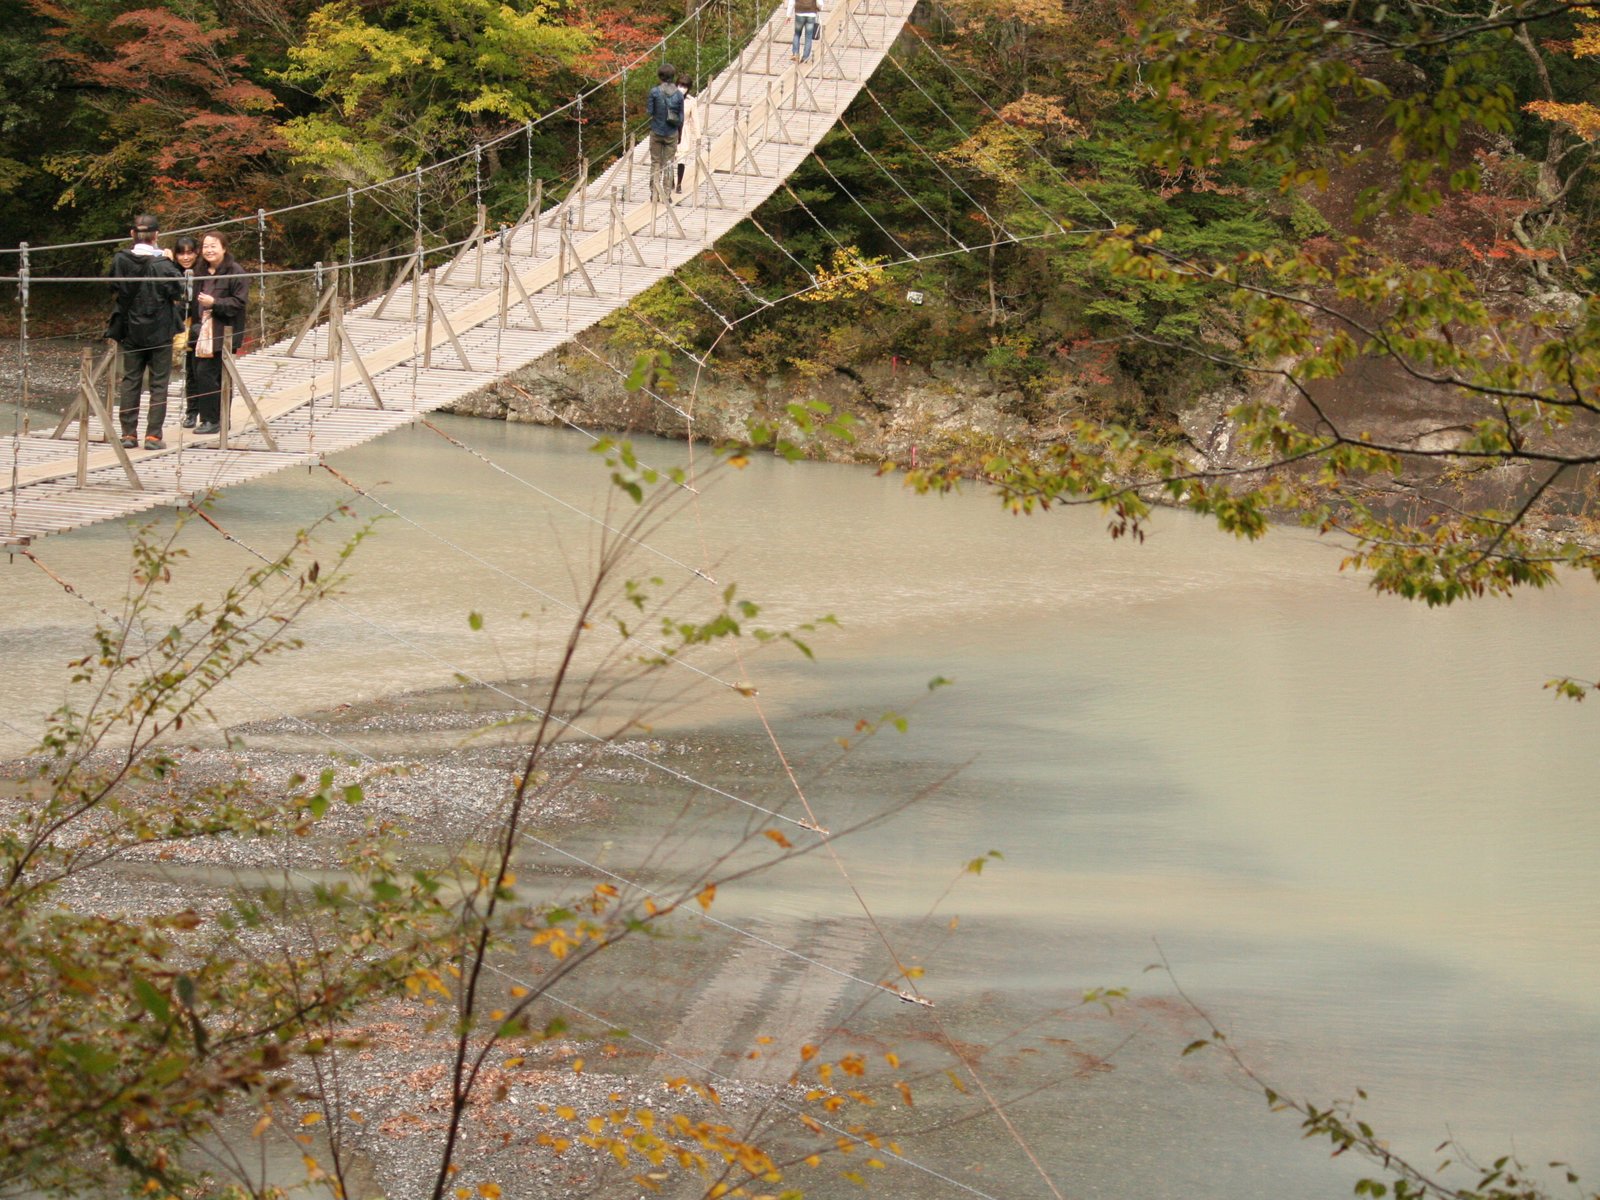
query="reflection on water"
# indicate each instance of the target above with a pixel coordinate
(1359, 831)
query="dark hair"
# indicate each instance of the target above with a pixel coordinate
(145, 227)
(667, 73)
(187, 244)
(688, 83)
(227, 255)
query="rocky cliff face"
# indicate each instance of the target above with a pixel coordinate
(900, 412)
(910, 415)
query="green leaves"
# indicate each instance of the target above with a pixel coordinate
(403, 83)
(151, 1000)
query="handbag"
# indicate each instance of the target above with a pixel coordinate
(116, 327)
(205, 338)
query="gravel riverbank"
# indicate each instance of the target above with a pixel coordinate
(384, 1096)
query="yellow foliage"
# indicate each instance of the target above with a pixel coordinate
(1003, 147)
(1587, 42)
(1582, 119)
(848, 273)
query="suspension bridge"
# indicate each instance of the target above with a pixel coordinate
(352, 372)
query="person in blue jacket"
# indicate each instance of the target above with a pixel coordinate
(665, 109)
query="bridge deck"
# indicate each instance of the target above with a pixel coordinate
(763, 115)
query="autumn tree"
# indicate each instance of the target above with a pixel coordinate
(182, 125)
(1469, 499)
(399, 85)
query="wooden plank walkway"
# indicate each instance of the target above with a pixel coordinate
(760, 119)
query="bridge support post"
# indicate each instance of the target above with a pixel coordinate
(225, 399)
(85, 376)
(436, 311)
(474, 245)
(703, 172)
(88, 401)
(88, 384)
(530, 216)
(569, 255)
(342, 343)
(742, 152)
(316, 311)
(236, 383)
(803, 83)
(411, 270)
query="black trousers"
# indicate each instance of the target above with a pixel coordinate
(205, 387)
(189, 408)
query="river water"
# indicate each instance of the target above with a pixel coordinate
(1359, 832)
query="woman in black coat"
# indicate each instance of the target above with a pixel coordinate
(186, 253)
(221, 290)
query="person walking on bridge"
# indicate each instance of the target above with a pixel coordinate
(806, 14)
(664, 106)
(147, 288)
(689, 133)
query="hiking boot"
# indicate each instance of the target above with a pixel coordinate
(152, 441)
(207, 427)
(189, 419)
(129, 442)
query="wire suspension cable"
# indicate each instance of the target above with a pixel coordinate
(955, 183)
(956, 125)
(892, 178)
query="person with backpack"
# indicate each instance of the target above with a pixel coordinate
(664, 106)
(216, 319)
(806, 14)
(147, 286)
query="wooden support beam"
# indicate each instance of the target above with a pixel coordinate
(102, 410)
(88, 380)
(412, 271)
(530, 217)
(570, 255)
(310, 322)
(236, 383)
(474, 244)
(436, 312)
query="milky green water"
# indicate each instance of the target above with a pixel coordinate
(1359, 831)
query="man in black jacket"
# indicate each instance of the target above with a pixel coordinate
(147, 285)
